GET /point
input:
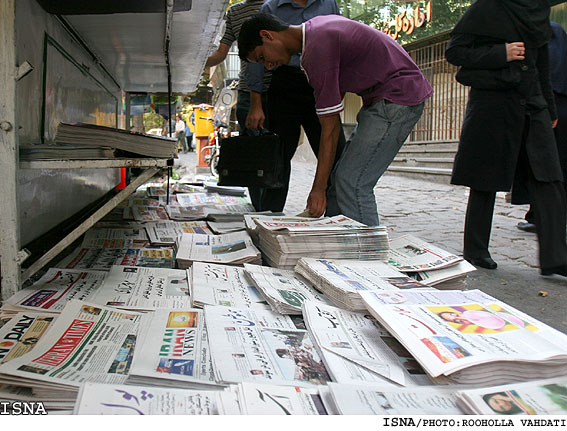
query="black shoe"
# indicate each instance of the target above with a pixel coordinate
(526, 227)
(483, 262)
(559, 270)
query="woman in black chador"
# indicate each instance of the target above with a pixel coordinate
(507, 136)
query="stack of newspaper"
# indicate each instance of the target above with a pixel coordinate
(343, 280)
(65, 152)
(214, 284)
(232, 248)
(538, 397)
(133, 142)
(254, 230)
(468, 337)
(284, 290)
(283, 243)
(427, 263)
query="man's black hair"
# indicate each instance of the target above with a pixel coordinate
(249, 36)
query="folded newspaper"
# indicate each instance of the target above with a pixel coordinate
(410, 254)
(283, 243)
(343, 280)
(167, 232)
(538, 397)
(215, 284)
(470, 337)
(284, 290)
(232, 248)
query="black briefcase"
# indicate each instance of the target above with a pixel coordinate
(251, 161)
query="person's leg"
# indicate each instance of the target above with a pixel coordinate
(284, 121)
(381, 131)
(478, 224)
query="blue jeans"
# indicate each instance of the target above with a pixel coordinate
(381, 131)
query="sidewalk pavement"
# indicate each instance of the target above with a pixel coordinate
(435, 212)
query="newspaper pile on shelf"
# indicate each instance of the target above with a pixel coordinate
(138, 143)
(232, 248)
(254, 345)
(214, 284)
(65, 152)
(284, 290)
(469, 337)
(428, 263)
(283, 243)
(537, 397)
(343, 280)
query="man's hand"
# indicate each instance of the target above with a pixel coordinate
(255, 118)
(317, 202)
(554, 123)
(515, 51)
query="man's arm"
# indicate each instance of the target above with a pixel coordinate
(218, 56)
(330, 129)
(256, 116)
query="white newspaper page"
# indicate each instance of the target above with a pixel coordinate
(138, 288)
(214, 284)
(143, 213)
(227, 248)
(410, 254)
(386, 400)
(537, 397)
(264, 399)
(447, 331)
(352, 336)
(57, 287)
(99, 236)
(21, 333)
(86, 343)
(317, 225)
(103, 258)
(175, 348)
(100, 399)
(166, 232)
(260, 346)
(283, 287)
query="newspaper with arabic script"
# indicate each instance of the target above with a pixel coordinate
(470, 336)
(251, 345)
(87, 342)
(144, 289)
(105, 399)
(215, 284)
(411, 254)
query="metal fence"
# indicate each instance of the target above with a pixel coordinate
(444, 111)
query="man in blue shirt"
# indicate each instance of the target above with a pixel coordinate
(291, 103)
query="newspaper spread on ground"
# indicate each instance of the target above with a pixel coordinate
(343, 280)
(213, 187)
(284, 290)
(101, 399)
(21, 333)
(538, 397)
(166, 232)
(231, 248)
(219, 227)
(99, 236)
(470, 336)
(266, 399)
(212, 199)
(87, 342)
(354, 337)
(174, 351)
(177, 212)
(143, 213)
(103, 258)
(410, 254)
(252, 345)
(214, 284)
(387, 400)
(144, 289)
(57, 287)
